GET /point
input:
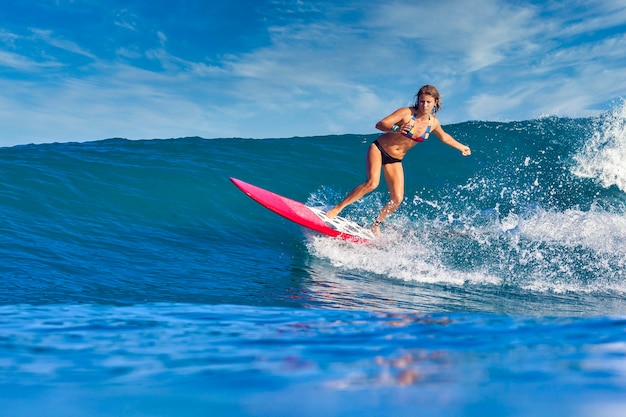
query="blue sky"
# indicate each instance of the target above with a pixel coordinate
(77, 70)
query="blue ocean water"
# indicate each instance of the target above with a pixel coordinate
(137, 280)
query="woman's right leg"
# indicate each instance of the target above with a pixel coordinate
(373, 164)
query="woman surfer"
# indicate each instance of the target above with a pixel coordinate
(401, 128)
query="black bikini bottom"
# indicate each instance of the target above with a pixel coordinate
(387, 159)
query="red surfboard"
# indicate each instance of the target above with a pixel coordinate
(310, 217)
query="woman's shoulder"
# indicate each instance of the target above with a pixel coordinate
(405, 112)
(435, 122)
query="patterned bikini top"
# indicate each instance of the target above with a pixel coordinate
(422, 138)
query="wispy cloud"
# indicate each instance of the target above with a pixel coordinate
(21, 63)
(48, 37)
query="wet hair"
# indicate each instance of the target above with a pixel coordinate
(431, 91)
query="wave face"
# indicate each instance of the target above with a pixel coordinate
(536, 211)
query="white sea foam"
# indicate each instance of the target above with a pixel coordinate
(542, 251)
(596, 230)
(604, 155)
(406, 256)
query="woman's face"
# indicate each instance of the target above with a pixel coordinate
(426, 102)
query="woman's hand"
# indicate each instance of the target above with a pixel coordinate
(405, 128)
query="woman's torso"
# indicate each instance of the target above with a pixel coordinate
(396, 144)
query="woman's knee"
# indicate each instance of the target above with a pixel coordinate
(371, 184)
(396, 198)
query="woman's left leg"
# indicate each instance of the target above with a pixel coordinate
(394, 176)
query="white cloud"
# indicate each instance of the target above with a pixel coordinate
(48, 37)
(468, 35)
(125, 19)
(21, 63)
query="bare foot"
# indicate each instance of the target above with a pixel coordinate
(376, 226)
(332, 213)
